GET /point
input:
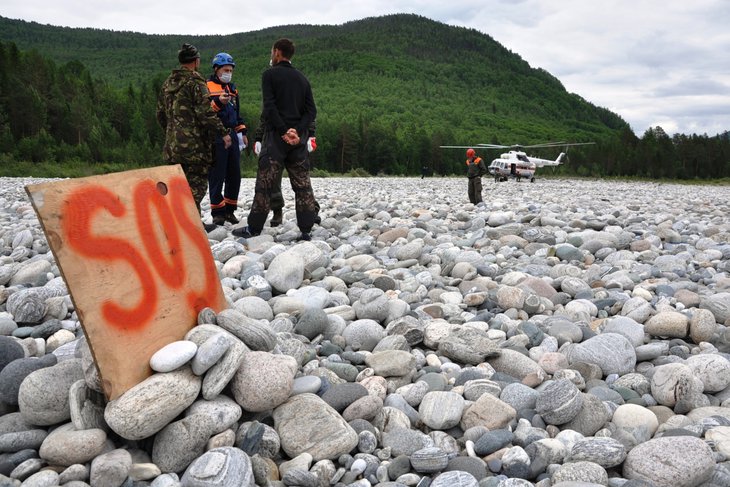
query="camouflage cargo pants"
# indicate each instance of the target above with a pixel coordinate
(275, 156)
(197, 175)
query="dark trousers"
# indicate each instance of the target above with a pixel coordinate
(277, 197)
(225, 172)
(475, 189)
(275, 156)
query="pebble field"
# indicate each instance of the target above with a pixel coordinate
(562, 333)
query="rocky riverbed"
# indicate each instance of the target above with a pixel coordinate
(562, 333)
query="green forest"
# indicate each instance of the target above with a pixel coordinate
(389, 91)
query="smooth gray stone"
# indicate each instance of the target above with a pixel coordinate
(221, 374)
(150, 405)
(429, 460)
(43, 395)
(610, 351)
(173, 355)
(363, 334)
(111, 468)
(340, 396)
(220, 467)
(587, 472)
(606, 452)
(305, 423)
(468, 345)
(16, 371)
(306, 384)
(559, 402)
(210, 352)
(181, 442)
(455, 479)
(493, 441)
(312, 322)
(10, 350)
(66, 446)
(592, 416)
(256, 335)
(519, 396)
(403, 441)
(286, 271)
(473, 466)
(441, 410)
(263, 380)
(260, 439)
(223, 410)
(390, 363)
(21, 440)
(680, 461)
(86, 406)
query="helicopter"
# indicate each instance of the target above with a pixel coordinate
(516, 164)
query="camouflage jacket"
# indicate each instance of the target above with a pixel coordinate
(189, 122)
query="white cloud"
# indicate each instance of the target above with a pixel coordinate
(654, 62)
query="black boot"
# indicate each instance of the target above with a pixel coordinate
(219, 220)
(230, 217)
(277, 218)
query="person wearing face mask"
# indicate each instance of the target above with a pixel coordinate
(190, 125)
(224, 178)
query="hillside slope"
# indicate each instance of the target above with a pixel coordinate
(398, 80)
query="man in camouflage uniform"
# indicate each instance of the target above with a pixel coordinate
(190, 124)
(289, 110)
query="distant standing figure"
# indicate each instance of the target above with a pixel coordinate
(190, 124)
(288, 110)
(475, 169)
(227, 168)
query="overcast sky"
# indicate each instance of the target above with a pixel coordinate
(654, 62)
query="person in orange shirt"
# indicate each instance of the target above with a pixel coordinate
(475, 169)
(227, 169)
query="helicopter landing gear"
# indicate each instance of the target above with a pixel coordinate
(532, 179)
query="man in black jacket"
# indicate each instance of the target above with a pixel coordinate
(289, 110)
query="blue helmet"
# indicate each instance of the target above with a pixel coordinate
(222, 59)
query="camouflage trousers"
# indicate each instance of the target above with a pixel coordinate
(197, 175)
(277, 197)
(275, 156)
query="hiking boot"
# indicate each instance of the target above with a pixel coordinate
(230, 217)
(317, 219)
(305, 236)
(219, 220)
(244, 232)
(209, 227)
(277, 218)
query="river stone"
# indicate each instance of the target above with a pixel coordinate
(667, 324)
(638, 421)
(305, 423)
(67, 446)
(519, 366)
(16, 371)
(254, 307)
(209, 352)
(713, 370)
(671, 383)
(363, 334)
(222, 409)
(679, 461)
(110, 469)
(389, 363)
(43, 395)
(468, 345)
(718, 304)
(559, 402)
(10, 350)
(702, 326)
(220, 375)
(455, 479)
(150, 405)
(286, 271)
(86, 406)
(612, 352)
(263, 380)
(429, 460)
(593, 415)
(181, 442)
(488, 411)
(441, 410)
(583, 472)
(220, 467)
(173, 355)
(257, 335)
(606, 452)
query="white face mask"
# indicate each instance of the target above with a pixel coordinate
(226, 77)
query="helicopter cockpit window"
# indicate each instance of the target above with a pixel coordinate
(523, 158)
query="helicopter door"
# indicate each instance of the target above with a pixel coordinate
(513, 168)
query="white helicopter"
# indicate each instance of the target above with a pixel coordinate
(516, 164)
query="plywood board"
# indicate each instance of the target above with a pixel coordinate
(137, 262)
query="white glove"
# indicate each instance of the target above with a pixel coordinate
(257, 148)
(311, 144)
(241, 145)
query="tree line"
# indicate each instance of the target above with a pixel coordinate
(61, 113)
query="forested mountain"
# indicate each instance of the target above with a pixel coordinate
(389, 91)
